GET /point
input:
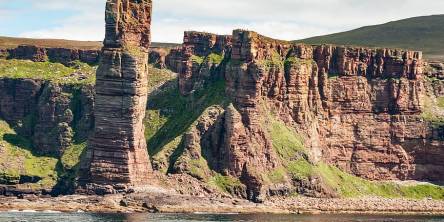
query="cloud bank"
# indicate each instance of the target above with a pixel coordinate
(283, 19)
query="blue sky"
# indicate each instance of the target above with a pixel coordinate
(283, 19)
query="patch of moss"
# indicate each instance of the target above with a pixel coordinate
(300, 169)
(198, 168)
(135, 51)
(276, 176)
(71, 156)
(215, 58)
(18, 159)
(161, 161)
(298, 61)
(158, 76)
(432, 111)
(226, 184)
(274, 60)
(172, 115)
(285, 140)
(197, 59)
(333, 75)
(440, 102)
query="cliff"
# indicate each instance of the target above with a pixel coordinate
(370, 112)
(248, 116)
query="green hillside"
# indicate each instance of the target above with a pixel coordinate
(419, 33)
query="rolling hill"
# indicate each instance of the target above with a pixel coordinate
(424, 33)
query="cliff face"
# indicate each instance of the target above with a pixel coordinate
(254, 115)
(59, 55)
(362, 110)
(117, 150)
(198, 59)
(47, 112)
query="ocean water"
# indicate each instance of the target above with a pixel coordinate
(85, 217)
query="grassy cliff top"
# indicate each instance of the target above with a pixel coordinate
(419, 33)
(12, 42)
(23, 69)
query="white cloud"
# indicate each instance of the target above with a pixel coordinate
(284, 19)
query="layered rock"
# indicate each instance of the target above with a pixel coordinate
(368, 121)
(65, 56)
(47, 112)
(3, 53)
(117, 150)
(198, 59)
(360, 109)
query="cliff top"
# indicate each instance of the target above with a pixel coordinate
(420, 33)
(13, 42)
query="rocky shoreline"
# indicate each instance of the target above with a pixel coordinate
(161, 202)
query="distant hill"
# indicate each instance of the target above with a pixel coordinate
(11, 42)
(424, 33)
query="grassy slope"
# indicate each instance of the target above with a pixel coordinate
(18, 159)
(170, 115)
(11, 42)
(419, 33)
(289, 146)
(54, 72)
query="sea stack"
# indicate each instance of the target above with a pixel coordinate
(117, 150)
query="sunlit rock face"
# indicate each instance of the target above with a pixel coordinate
(117, 149)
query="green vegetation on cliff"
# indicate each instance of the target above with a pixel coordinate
(212, 58)
(289, 145)
(433, 111)
(226, 184)
(17, 159)
(170, 115)
(80, 73)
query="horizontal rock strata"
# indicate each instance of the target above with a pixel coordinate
(357, 108)
(47, 112)
(117, 150)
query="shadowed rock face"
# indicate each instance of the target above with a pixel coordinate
(194, 61)
(118, 151)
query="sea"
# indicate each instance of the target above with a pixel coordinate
(202, 217)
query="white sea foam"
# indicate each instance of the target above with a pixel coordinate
(51, 211)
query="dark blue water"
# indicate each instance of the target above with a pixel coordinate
(84, 217)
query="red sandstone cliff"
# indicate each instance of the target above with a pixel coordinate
(357, 108)
(360, 109)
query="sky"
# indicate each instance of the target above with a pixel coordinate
(282, 19)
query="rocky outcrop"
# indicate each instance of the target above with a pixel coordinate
(367, 121)
(65, 56)
(117, 152)
(3, 53)
(157, 57)
(359, 109)
(47, 112)
(435, 70)
(199, 59)
(28, 52)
